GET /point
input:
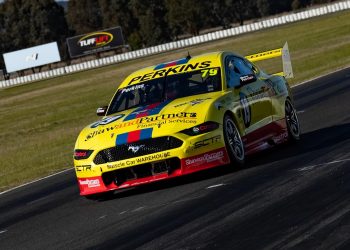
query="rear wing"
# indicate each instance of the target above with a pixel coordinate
(282, 52)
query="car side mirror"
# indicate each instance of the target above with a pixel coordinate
(245, 79)
(102, 111)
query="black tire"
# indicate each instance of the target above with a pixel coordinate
(292, 121)
(233, 142)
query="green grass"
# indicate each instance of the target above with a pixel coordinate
(40, 121)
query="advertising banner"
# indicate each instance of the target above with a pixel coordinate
(32, 57)
(95, 42)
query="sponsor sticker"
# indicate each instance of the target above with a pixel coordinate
(106, 121)
(172, 70)
(96, 39)
(280, 138)
(140, 160)
(83, 168)
(193, 102)
(143, 122)
(91, 183)
(205, 158)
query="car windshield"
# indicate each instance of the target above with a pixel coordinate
(166, 88)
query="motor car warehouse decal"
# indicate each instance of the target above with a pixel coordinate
(140, 160)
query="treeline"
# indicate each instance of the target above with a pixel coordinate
(144, 23)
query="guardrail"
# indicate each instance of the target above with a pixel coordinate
(288, 18)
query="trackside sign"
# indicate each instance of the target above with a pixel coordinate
(95, 42)
(31, 57)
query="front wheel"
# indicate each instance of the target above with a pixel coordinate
(292, 120)
(233, 141)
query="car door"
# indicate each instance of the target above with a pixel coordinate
(253, 93)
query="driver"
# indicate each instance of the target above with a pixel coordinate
(172, 90)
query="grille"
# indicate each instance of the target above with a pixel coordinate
(141, 171)
(140, 148)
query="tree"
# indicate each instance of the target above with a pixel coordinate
(30, 23)
(153, 28)
(264, 7)
(277, 6)
(175, 18)
(119, 13)
(84, 16)
(186, 16)
(220, 14)
(296, 4)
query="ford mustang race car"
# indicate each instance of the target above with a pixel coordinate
(184, 116)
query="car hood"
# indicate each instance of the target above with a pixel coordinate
(154, 120)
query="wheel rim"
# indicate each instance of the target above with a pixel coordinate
(292, 120)
(234, 140)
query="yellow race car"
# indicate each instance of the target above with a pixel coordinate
(184, 116)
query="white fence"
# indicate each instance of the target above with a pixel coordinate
(288, 18)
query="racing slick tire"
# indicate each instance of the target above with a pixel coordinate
(292, 121)
(233, 142)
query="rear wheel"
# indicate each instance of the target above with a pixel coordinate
(292, 120)
(233, 141)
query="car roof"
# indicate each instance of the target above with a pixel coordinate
(207, 60)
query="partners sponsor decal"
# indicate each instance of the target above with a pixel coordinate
(90, 183)
(170, 70)
(148, 122)
(139, 160)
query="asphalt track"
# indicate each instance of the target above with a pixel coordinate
(292, 197)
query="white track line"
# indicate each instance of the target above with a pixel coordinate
(215, 186)
(43, 178)
(311, 167)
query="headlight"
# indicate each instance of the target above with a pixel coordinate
(201, 128)
(80, 154)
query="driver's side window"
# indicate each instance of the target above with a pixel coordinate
(235, 67)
